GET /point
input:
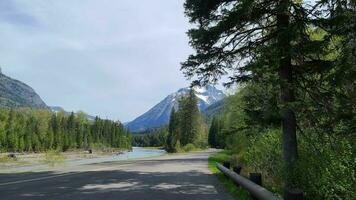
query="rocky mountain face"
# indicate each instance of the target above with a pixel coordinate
(14, 93)
(159, 114)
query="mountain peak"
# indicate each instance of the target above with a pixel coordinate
(159, 114)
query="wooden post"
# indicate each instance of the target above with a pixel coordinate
(253, 188)
(227, 164)
(237, 169)
(293, 194)
(256, 178)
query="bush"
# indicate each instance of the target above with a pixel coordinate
(265, 156)
(189, 147)
(324, 170)
(327, 172)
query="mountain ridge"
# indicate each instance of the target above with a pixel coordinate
(14, 93)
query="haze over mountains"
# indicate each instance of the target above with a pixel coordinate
(159, 114)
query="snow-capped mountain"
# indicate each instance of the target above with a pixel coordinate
(159, 114)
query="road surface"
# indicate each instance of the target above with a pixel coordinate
(183, 176)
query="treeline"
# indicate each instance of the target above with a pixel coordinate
(33, 130)
(151, 138)
(186, 128)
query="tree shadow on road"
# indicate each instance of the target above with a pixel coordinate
(113, 184)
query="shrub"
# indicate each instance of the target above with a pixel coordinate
(265, 156)
(189, 147)
(328, 171)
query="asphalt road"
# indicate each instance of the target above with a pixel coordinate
(166, 177)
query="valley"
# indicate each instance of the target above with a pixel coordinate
(186, 99)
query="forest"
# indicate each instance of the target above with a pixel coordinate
(293, 117)
(36, 130)
(150, 138)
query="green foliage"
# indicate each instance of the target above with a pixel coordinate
(265, 155)
(34, 130)
(325, 168)
(189, 119)
(189, 148)
(328, 170)
(151, 138)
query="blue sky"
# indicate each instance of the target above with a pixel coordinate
(112, 58)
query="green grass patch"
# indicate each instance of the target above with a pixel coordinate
(219, 157)
(53, 158)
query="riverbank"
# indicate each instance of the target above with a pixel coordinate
(45, 161)
(11, 160)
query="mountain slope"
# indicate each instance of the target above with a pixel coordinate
(14, 93)
(159, 114)
(213, 110)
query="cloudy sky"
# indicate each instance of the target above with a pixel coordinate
(112, 58)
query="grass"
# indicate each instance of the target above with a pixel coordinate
(236, 192)
(53, 158)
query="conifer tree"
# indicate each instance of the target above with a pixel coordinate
(11, 137)
(173, 132)
(213, 133)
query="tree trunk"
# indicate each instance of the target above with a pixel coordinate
(287, 87)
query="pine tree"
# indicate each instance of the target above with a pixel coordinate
(49, 138)
(173, 132)
(2, 130)
(11, 137)
(213, 132)
(189, 116)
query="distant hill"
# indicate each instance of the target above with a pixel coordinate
(14, 93)
(159, 115)
(57, 109)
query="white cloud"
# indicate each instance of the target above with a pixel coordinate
(114, 58)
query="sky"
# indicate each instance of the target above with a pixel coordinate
(111, 58)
